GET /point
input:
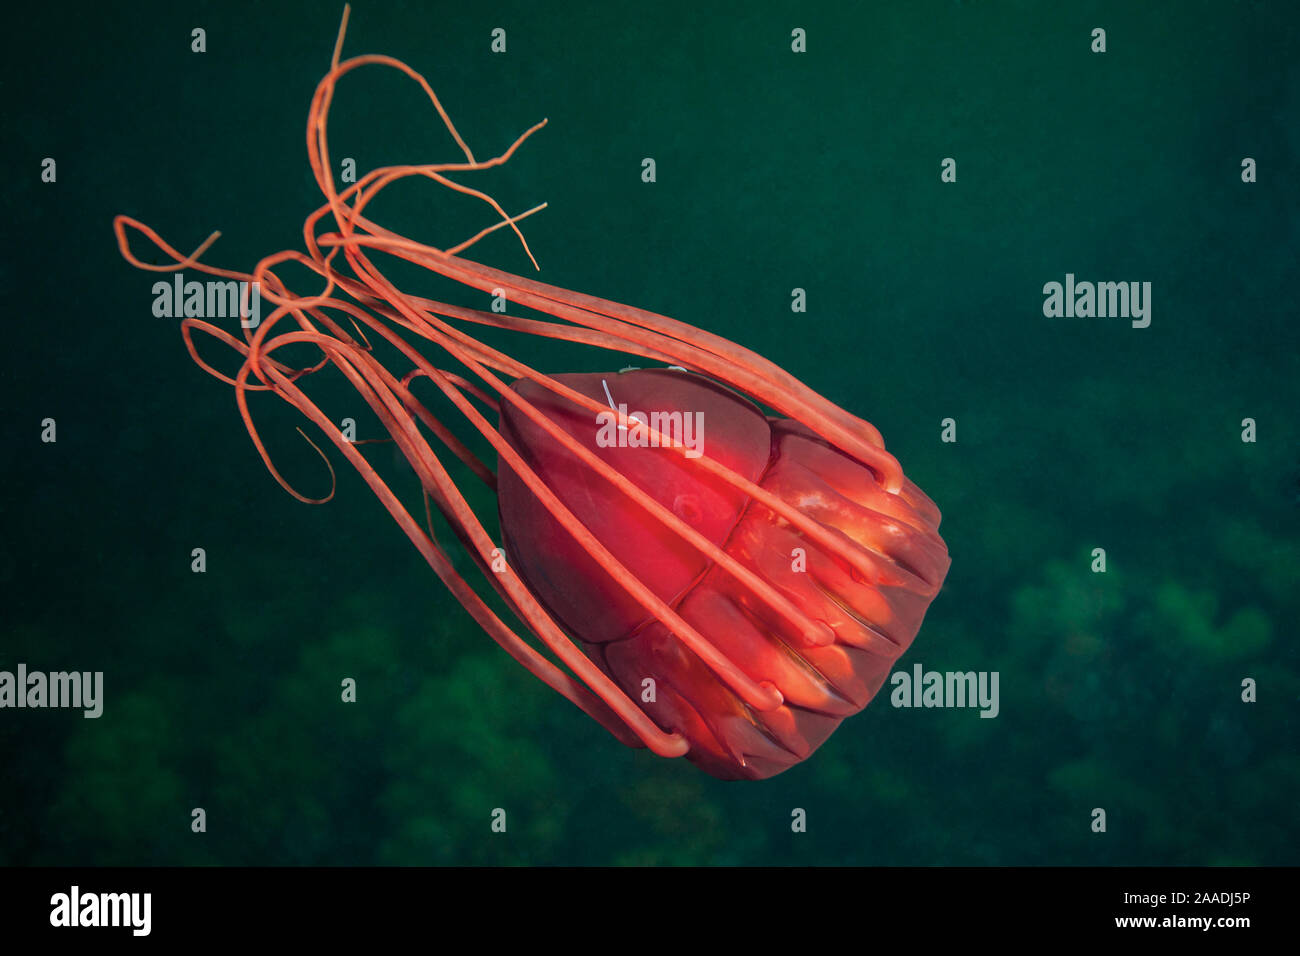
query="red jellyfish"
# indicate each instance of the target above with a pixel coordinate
(742, 579)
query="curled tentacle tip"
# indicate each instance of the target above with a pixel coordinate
(666, 745)
(677, 745)
(820, 634)
(772, 694)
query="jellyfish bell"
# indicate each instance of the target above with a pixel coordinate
(867, 611)
(740, 559)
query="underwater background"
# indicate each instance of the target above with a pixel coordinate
(775, 170)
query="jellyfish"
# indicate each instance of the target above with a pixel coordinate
(705, 555)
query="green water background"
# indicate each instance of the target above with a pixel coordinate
(775, 170)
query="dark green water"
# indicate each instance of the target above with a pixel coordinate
(1120, 690)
